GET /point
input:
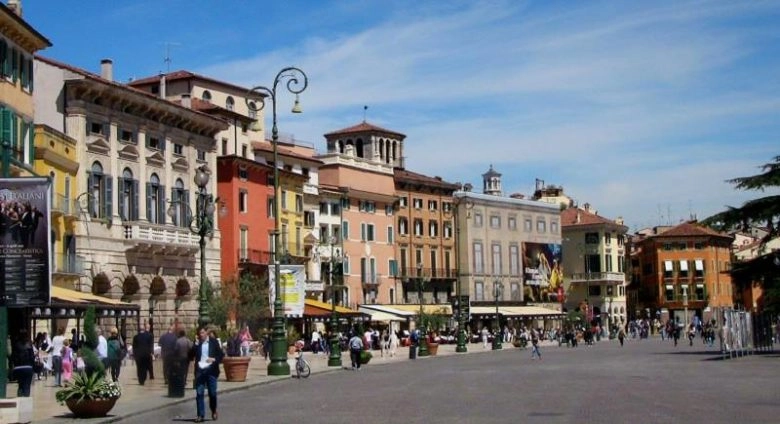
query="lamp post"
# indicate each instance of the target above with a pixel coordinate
(202, 225)
(295, 82)
(685, 305)
(497, 334)
(461, 347)
(6, 161)
(335, 272)
(423, 349)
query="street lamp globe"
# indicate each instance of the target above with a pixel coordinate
(202, 175)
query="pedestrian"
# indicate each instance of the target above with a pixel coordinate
(393, 343)
(315, 341)
(621, 336)
(115, 353)
(167, 344)
(355, 347)
(181, 357)
(67, 360)
(535, 345)
(246, 340)
(55, 352)
(143, 349)
(208, 355)
(102, 349)
(484, 337)
(23, 358)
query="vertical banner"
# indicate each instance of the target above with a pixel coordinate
(542, 270)
(25, 240)
(292, 281)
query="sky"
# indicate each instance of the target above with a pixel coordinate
(643, 109)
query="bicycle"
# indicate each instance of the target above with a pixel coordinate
(302, 368)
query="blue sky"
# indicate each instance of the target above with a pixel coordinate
(641, 109)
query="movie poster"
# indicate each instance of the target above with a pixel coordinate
(25, 241)
(542, 271)
(292, 281)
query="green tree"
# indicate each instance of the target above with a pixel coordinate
(92, 363)
(246, 299)
(760, 212)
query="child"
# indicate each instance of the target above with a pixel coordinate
(67, 360)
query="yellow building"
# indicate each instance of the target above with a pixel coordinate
(18, 42)
(55, 157)
(291, 221)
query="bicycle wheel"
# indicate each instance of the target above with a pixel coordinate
(303, 369)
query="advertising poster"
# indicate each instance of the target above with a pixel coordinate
(542, 271)
(292, 279)
(25, 241)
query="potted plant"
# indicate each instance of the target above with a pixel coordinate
(433, 323)
(292, 336)
(88, 394)
(100, 284)
(365, 356)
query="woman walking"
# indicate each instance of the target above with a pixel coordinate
(115, 355)
(23, 357)
(67, 360)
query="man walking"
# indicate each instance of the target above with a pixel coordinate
(102, 349)
(167, 344)
(143, 349)
(355, 347)
(535, 345)
(208, 355)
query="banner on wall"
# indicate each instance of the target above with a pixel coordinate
(542, 265)
(292, 282)
(25, 240)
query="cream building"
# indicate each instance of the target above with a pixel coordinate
(136, 159)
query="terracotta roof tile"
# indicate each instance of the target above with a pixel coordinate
(364, 127)
(404, 175)
(183, 75)
(268, 147)
(569, 218)
(690, 229)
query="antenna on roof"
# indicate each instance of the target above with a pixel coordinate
(167, 59)
(365, 108)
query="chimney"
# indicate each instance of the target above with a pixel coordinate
(16, 7)
(186, 100)
(579, 217)
(587, 207)
(162, 86)
(107, 69)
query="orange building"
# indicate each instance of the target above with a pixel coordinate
(684, 268)
(425, 238)
(245, 189)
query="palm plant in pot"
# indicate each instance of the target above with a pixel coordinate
(88, 394)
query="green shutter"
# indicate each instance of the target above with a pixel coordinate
(14, 131)
(31, 64)
(5, 64)
(109, 196)
(5, 126)
(14, 65)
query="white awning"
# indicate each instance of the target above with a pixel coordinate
(684, 265)
(669, 287)
(699, 265)
(668, 266)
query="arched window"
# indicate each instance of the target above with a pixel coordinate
(206, 96)
(128, 196)
(230, 103)
(155, 200)
(99, 188)
(179, 201)
(253, 110)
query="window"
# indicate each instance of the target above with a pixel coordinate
(271, 207)
(477, 219)
(128, 196)
(179, 201)
(366, 232)
(514, 260)
(621, 239)
(594, 291)
(178, 149)
(154, 142)
(554, 227)
(417, 203)
(667, 246)
(308, 218)
(418, 227)
(100, 188)
(243, 173)
(495, 221)
(206, 96)
(252, 110)
(669, 293)
(155, 200)
(433, 228)
(683, 269)
(363, 270)
(284, 200)
(621, 264)
(243, 243)
(496, 259)
(402, 202)
(224, 146)
(479, 264)
(335, 209)
(479, 291)
(367, 206)
(607, 238)
(591, 238)
(126, 136)
(608, 259)
(98, 128)
(324, 208)
(392, 266)
(389, 234)
(433, 205)
(299, 203)
(698, 246)
(403, 258)
(514, 288)
(345, 230)
(700, 293)
(201, 155)
(699, 268)
(403, 225)
(389, 210)
(447, 231)
(230, 104)
(541, 226)
(511, 222)
(446, 207)
(244, 151)
(528, 225)
(243, 201)
(668, 269)
(345, 204)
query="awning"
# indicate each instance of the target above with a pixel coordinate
(440, 309)
(402, 315)
(67, 303)
(380, 316)
(323, 308)
(516, 311)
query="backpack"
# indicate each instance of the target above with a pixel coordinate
(114, 349)
(355, 344)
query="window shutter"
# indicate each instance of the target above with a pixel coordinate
(14, 130)
(363, 231)
(148, 201)
(4, 59)
(363, 274)
(393, 268)
(345, 230)
(161, 206)
(23, 70)
(14, 65)
(107, 131)
(109, 196)
(120, 188)
(31, 64)
(185, 202)
(135, 201)
(162, 144)
(89, 190)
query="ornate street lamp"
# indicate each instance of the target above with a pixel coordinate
(497, 334)
(202, 225)
(421, 281)
(335, 272)
(296, 82)
(457, 201)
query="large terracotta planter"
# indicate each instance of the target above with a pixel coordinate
(433, 348)
(90, 408)
(236, 367)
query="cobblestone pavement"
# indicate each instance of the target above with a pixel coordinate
(646, 381)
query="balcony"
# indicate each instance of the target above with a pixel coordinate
(255, 257)
(67, 264)
(602, 277)
(162, 239)
(432, 273)
(61, 205)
